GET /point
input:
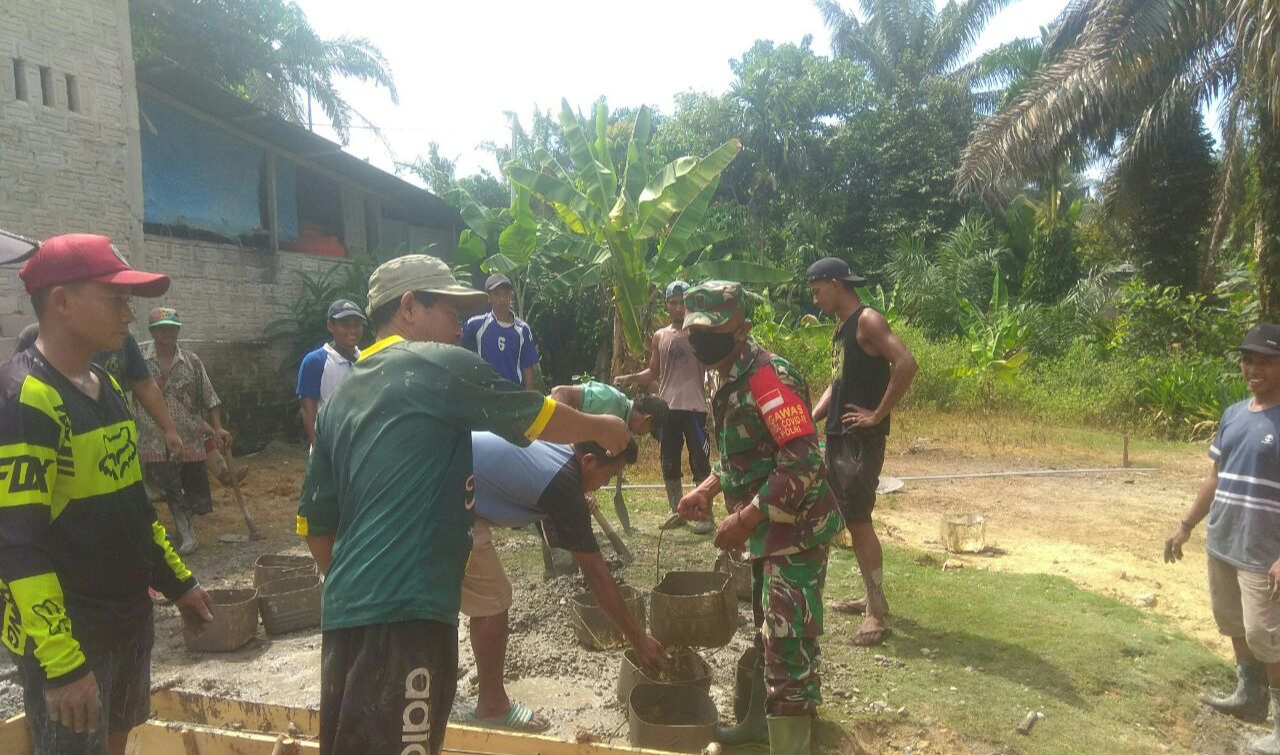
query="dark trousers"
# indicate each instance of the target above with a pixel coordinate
(387, 689)
(184, 484)
(681, 429)
(123, 674)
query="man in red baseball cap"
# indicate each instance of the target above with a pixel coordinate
(81, 543)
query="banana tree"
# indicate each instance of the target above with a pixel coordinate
(996, 339)
(623, 230)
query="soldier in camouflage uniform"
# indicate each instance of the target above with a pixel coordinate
(774, 480)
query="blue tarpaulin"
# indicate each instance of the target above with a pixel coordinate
(197, 175)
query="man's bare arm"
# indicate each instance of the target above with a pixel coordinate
(321, 547)
(874, 331)
(567, 395)
(310, 408)
(650, 374)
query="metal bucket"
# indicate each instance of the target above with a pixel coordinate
(593, 627)
(671, 718)
(235, 619)
(732, 564)
(964, 534)
(694, 609)
(290, 604)
(684, 666)
(272, 566)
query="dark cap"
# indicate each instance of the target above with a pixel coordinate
(832, 268)
(344, 308)
(495, 280)
(1264, 339)
(77, 257)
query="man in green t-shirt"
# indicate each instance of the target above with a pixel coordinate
(386, 507)
(643, 414)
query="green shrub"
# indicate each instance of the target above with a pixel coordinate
(1187, 393)
(941, 381)
(1082, 386)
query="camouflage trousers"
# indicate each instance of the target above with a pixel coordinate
(787, 607)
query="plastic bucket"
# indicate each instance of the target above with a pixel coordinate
(684, 666)
(594, 629)
(964, 534)
(235, 619)
(671, 718)
(694, 609)
(272, 566)
(290, 604)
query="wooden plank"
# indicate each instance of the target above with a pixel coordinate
(15, 737)
(193, 724)
(161, 738)
(206, 710)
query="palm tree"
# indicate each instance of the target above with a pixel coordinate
(1145, 62)
(917, 58)
(264, 50)
(909, 44)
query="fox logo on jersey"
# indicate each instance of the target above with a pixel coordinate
(121, 450)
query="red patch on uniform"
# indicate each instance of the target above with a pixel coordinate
(785, 414)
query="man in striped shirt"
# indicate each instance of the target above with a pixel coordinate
(1241, 498)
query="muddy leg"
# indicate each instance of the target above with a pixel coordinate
(866, 546)
(489, 644)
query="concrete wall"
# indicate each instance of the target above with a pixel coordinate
(63, 170)
(224, 292)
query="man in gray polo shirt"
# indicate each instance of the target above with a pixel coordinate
(1241, 497)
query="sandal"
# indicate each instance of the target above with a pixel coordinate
(519, 718)
(853, 606)
(870, 637)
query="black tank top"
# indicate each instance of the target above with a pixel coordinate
(856, 377)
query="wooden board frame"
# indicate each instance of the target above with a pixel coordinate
(186, 723)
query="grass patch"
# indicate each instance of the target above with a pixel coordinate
(1108, 677)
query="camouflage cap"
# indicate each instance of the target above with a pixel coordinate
(713, 303)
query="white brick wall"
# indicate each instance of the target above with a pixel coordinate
(62, 171)
(223, 292)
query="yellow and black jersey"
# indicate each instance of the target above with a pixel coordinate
(79, 542)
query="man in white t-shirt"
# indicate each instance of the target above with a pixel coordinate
(322, 369)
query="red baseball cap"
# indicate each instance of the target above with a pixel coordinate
(75, 257)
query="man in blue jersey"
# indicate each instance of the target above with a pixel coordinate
(1241, 498)
(500, 338)
(322, 369)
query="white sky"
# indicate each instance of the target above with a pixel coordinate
(460, 65)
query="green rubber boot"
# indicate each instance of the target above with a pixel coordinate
(752, 723)
(1270, 744)
(1249, 700)
(789, 735)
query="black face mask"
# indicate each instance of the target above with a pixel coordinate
(711, 348)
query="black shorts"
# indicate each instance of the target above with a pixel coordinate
(387, 689)
(124, 689)
(854, 461)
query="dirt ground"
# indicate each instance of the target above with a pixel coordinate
(1104, 531)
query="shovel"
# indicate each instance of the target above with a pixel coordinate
(618, 546)
(620, 508)
(235, 487)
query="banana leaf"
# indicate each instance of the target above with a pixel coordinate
(637, 170)
(630, 286)
(556, 191)
(596, 179)
(677, 244)
(678, 185)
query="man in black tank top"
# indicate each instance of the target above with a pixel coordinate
(871, 369)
